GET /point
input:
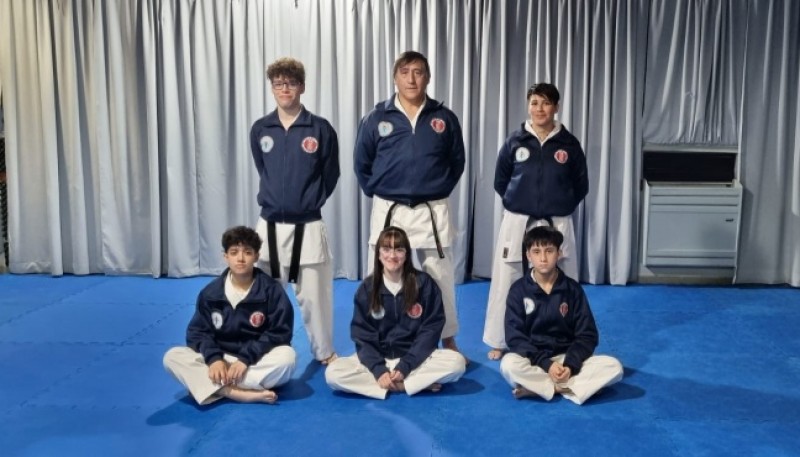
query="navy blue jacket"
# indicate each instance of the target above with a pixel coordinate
(298, 168)
(550, 181)
(558, 323)
(260, 322)
(409, 165)
(396, 334)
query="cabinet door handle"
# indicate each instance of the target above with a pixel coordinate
(730, 220)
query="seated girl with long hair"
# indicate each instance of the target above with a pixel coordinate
(397, 322)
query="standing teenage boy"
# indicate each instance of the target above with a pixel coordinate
(296, 155)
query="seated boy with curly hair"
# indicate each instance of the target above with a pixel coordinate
(237, 343)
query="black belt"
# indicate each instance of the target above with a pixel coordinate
(297, 245)
(388, 221)
(525, 254)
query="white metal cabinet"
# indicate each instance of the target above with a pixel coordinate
(691, 225)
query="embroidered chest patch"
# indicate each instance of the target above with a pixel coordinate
(266, 143)
(522, 154)
(438, 125)
(415, 312)
(216, 319)
(530, 305)
(310, 144)
(257, 319)
(385, 128)
(561, 156)
(563, 309)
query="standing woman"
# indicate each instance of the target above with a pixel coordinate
(397, 321)
(541, 177)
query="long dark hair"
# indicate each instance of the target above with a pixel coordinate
(393, 237)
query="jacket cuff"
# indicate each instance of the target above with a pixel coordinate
(379, 370)
(545, 364)
(573, 368)
(213, 358)
(403, 368)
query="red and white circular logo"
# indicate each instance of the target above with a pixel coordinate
(416, 311)
(257, 319)
(438, 125)
(561, 156)
(310, 144)
(563, 309)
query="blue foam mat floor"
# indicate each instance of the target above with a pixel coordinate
(709, 371)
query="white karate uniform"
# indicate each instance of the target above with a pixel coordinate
(507, 268)
(416, 222)
(348, 374)
(314, 287)
(188, 367)
(597, 372)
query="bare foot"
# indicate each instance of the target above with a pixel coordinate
(521, 392)
(560, 389)
(249, 396)
(495, 354)
(435, 387)
(450, 343)
(329, 359)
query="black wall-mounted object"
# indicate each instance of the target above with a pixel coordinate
(3, 201)
(714, 167)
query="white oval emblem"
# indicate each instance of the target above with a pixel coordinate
(561, 156)
(310, 144)
(438, 125)
(529, 305)
(385, 128)
(522, 154)
(266, 143)
(378, 315)
(216, 319)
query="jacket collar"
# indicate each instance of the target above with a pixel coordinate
(388, 104)
(560, 285)
(303, 119)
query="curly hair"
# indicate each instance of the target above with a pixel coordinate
(245, 236)
(287, 67)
